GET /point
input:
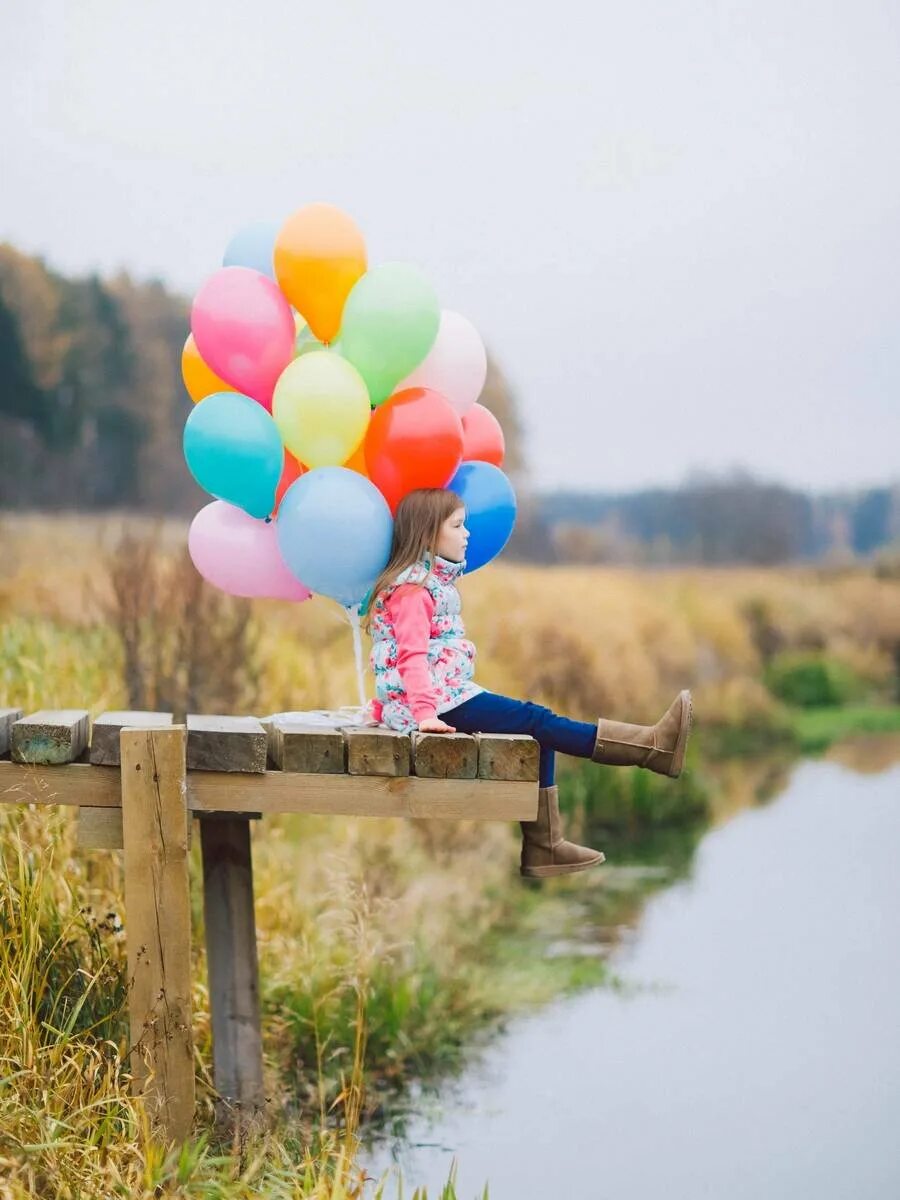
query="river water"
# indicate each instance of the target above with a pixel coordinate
(754, 1053)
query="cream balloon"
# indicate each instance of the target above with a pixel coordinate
(455, 366)
(321, 407)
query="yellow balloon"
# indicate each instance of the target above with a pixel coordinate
(199, 379)
(321, 407)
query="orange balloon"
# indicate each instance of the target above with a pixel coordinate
(358, 461)
(319, 255)
(482, 436)
(290, 473)
(199, 379)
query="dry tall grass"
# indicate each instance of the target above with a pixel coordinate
(344, 910)
(587, 640)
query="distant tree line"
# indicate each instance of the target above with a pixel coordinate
(728, 519)
(92, 404)
(92, 409)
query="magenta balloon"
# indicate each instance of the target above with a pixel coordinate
(239, 554)
(244, 330)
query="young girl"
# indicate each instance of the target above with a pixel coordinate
(424, 677)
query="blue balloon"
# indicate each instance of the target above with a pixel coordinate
(253, 246)
(234, 451)
(334, 532)
(490, 510)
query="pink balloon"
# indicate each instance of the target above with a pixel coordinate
(244, 330)
(455, 366)
(239, 554)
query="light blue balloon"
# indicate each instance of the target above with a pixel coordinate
(233, 449)
(490, 510)
(254, 246)
(334, 532)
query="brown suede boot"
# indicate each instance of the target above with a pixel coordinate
(658, 747)
(544, 851)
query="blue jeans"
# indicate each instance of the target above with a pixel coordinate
(489, 713)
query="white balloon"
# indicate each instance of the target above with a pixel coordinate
(455, 366)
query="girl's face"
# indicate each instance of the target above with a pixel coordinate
(453, 537)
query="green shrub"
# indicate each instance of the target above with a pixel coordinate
(812, 681)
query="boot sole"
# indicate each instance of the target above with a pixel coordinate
(683, 734)
(562, 868)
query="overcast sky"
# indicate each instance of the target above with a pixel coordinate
(676, 225)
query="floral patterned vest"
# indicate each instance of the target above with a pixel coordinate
(451, 656)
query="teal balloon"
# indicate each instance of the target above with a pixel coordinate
(233, 449)
(390, 321)
(334, 532)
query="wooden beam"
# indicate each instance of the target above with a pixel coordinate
(282, 791)
(101, 829)
(108, 726)
(76, 784)
(218, 743)
(377, 752)
(354, 796)
(7, 716)
(509, 756)
(233, 968)
(308, 749)
(444, 755)
(158, 925)
(50, 737)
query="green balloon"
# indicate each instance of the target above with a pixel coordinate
(391, 319)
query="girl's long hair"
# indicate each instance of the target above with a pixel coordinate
(417, 527)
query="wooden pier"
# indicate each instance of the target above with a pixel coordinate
(139, 780)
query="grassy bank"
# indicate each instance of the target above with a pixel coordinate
(815, 729)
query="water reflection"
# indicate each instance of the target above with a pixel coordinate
(759, 1055)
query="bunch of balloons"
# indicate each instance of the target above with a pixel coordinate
(325, 391)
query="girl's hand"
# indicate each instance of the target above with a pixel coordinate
(435, 725)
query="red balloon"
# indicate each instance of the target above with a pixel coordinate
(291, 471)
(482, 436)
(415, 440)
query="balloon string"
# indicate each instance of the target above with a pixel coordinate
(357, 652)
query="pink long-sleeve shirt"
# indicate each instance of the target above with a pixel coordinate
(421, 659)
(411, 608)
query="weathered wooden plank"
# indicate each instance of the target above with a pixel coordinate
(158, 924)
(377, 752)
(307, 749)
(508, 756)
(220, 743)
(444, 755)
(277, 791)
(233, 967)
(7, 716)
(101, 829)
(108, 726)
(50, 737)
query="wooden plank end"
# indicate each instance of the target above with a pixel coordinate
(50, 737)
(107, 727)
(225, 743)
